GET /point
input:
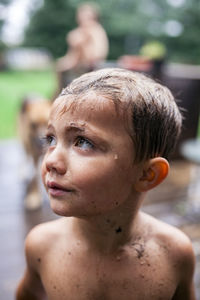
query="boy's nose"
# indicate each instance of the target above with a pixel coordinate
(55, 161)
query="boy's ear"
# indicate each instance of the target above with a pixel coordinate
(154, 172)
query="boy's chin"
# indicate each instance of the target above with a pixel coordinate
(63, 209)
(60, 208)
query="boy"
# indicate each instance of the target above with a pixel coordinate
(109, 136)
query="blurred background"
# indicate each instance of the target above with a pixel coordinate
(157, 37)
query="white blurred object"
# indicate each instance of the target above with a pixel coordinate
(190, 149)
(28, 59)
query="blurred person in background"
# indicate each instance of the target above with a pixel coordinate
(87, 45)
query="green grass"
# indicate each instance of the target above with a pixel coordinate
(14, 85)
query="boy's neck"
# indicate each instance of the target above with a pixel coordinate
(107, 233)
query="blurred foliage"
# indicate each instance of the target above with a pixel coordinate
(3, 4)
(49, 25)
(129, 25)
(3, 46)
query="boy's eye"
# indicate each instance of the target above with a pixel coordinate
(83, 143)
(49, 140)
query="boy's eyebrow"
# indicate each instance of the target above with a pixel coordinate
(71, 127)
(75, 127)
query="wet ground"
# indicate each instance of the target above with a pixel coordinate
(176, 201)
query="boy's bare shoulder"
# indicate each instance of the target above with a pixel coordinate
(41, 238)
(45, 232)
(166, 235)
(172, 241)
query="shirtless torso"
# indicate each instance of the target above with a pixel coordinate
(150, 266)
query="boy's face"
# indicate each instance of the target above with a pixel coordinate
(88, 167)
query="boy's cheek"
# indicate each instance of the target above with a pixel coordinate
(43, 172)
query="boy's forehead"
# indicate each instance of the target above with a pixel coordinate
(90, 107)
(88, 103)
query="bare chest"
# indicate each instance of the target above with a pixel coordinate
(83, 277)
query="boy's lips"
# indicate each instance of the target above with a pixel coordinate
(56, 189)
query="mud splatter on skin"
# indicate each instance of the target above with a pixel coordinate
(139, 248)
(118, 230)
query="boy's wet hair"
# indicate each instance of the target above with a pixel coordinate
(156, 118)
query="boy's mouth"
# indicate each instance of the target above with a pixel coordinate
(56, 189)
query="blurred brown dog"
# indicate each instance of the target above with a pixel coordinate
(32, 122)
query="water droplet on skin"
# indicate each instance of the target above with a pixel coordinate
(118, 230)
